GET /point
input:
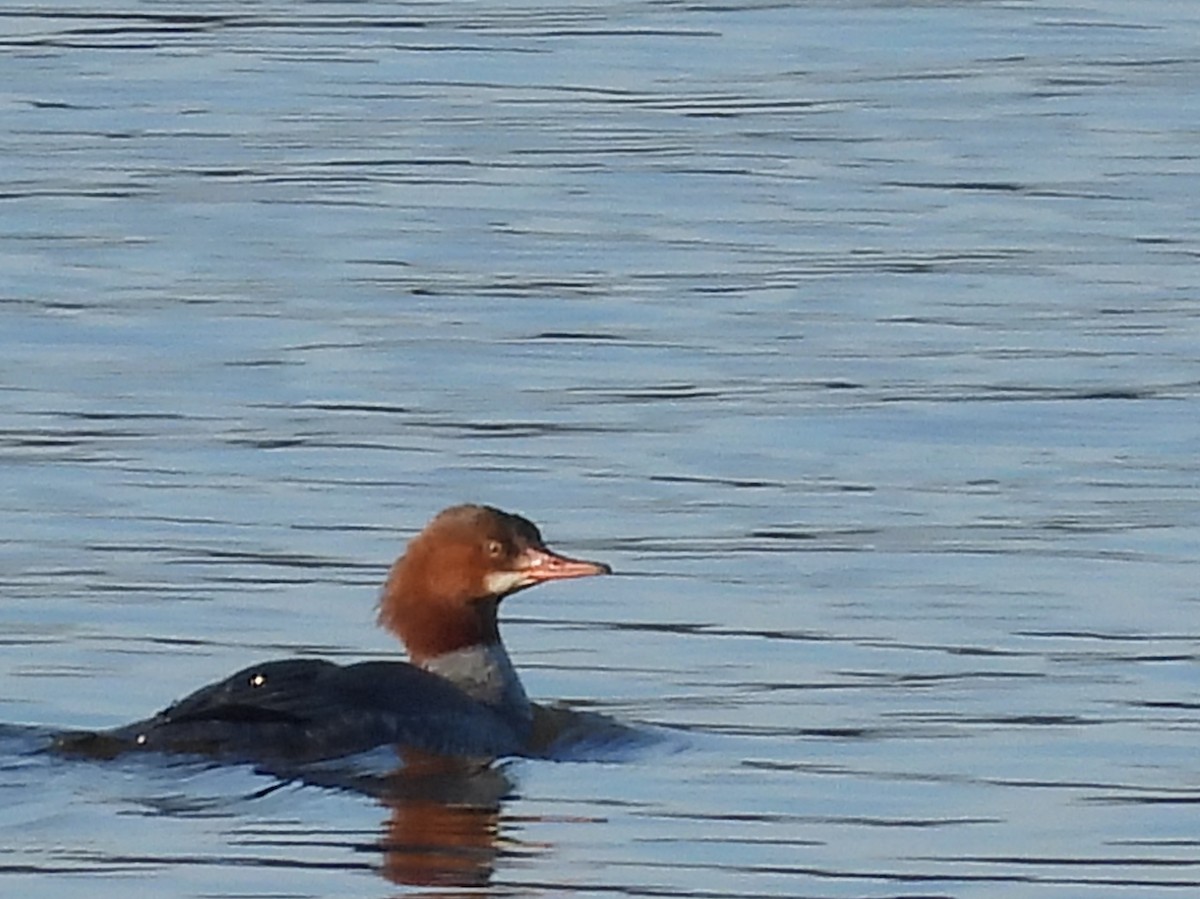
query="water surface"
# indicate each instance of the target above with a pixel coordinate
(861, 339)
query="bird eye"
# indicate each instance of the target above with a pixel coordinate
(495, 549)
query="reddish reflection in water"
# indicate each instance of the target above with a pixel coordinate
(444, 824)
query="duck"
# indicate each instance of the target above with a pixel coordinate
(457, 696)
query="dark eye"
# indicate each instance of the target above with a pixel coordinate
(495, 549)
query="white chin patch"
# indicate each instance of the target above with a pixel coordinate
(500, 582)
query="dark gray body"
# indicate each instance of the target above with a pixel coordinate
(310, 709)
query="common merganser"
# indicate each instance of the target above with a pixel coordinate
(459, 696)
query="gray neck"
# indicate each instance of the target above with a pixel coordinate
(487, 674)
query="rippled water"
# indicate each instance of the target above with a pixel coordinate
(861, 338)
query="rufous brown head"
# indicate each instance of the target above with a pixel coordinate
(442, 594)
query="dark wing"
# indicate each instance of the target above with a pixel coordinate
(309, 709)
(272, 692)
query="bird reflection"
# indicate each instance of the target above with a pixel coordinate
(444, 815)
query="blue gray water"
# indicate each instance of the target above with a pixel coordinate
(862, 338)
